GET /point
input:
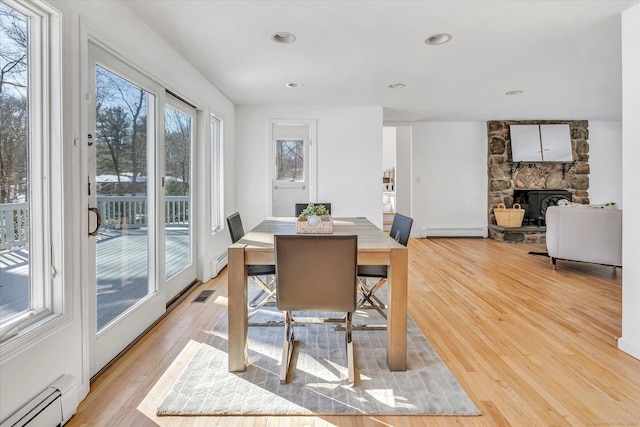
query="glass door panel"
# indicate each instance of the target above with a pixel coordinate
(177, 191)
(122, 195)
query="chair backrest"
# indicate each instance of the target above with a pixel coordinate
(236, 230)
(301, 206)
(401, 228)
(316, 272)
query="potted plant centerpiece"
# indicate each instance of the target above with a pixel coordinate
(315, 219)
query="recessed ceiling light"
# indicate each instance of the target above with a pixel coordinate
(293, 85)
(441, 38)
(396, 86)
(283, 37)
(514, 92)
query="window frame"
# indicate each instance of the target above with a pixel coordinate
(48, 299)
(217, 173)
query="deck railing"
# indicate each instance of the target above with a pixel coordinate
(116, 211)
(133, 211)
(14, 225)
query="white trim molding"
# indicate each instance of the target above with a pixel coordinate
(628, 348)
(426, 232)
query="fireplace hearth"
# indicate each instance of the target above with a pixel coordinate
(536, 202)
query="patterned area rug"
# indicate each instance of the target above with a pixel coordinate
(317, 376)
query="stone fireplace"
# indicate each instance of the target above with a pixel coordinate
(540, 184)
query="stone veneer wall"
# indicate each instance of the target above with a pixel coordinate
(505, 177)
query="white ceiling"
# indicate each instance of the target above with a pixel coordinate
(565, 55)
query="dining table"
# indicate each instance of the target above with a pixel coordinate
(375, 247)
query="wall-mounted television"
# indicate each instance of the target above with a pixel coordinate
(541, 143)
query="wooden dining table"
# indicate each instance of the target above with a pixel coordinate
(374, 248)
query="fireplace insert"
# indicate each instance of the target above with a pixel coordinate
(536, 203)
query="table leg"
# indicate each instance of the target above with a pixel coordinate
(237, 309)
(397, 311)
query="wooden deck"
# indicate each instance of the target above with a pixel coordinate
(14, 293)
(122, 277)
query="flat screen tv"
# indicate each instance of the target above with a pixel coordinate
(541, 143)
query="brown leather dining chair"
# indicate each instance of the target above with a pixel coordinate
(316, 273)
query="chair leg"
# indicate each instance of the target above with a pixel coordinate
(266, 297)
(267, 293)
(350, 357)
(264, 284)
(287, 348)
(369, 297)
(268, 288)
(375, 289)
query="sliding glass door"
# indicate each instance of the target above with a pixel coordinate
(179, 137)
(127, 296)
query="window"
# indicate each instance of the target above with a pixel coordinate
(216, 175)
(290, 159)
(30, 157)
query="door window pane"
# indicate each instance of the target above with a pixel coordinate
(290, 159)
(122, 133)
(177, 190)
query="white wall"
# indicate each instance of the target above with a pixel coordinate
(449, 179)
(65, 350)
(630, 340)
(349, 159)
(403, 170)
(605, 160)
(388, 148)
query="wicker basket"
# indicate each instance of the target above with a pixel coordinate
(509, 217)
(325, 227)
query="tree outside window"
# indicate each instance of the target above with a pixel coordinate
(290, 159)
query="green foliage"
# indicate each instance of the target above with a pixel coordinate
(312, 209)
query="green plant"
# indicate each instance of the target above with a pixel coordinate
(312, 209)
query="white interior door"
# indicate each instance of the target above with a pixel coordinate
(292, 163)
(126, 291)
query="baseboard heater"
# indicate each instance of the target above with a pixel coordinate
(50, 408)
(426, 232)
(219, 263)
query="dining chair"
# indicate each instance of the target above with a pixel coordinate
(400, 231)
(316, 273)
(256, 272)
(301, 206)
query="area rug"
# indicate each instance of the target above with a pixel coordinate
(317, 377)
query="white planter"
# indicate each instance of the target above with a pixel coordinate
(314, 220)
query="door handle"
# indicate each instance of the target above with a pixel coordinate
(275, 187)
(99, 221)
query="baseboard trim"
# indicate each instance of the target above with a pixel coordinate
(453, 232)
(627, 347)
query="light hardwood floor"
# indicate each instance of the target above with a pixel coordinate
(530, 345)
